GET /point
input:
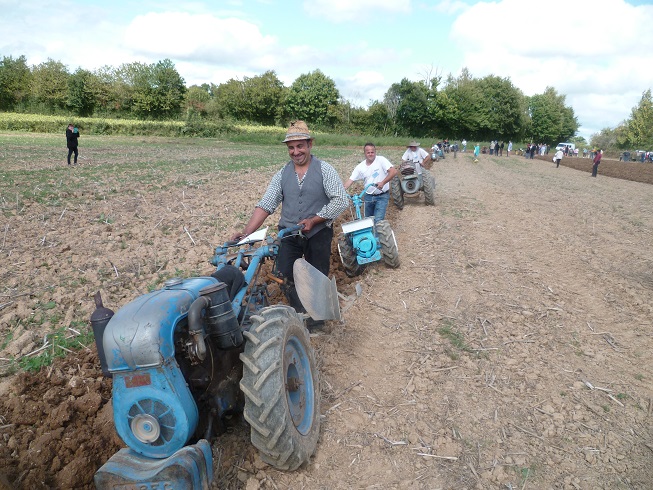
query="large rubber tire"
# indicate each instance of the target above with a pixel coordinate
(397, 193)
(428, 184)
(282, 388)
(348, 257)
(389, 249)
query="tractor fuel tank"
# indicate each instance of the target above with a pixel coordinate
(141, 333)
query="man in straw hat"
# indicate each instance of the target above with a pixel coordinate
(311, 193)
(419, 157)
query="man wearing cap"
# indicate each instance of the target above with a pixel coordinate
(311, 194)
(376, 170)
(417, 156)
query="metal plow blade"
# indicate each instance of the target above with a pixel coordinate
(316, 291)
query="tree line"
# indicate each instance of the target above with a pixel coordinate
(459, 107)
(635, 133)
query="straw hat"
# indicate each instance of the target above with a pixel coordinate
(297, 131)
(413, 143)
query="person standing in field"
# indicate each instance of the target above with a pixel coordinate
(464, 143)
(477, 152)
(377, 170)
(509, 148)
(597, 160)
(72, 133)
(311, 194)
(558, 158)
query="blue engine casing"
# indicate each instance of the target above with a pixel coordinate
(363, 240)
(366, 246)
(153, 409)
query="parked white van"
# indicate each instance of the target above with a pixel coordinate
(561, 146)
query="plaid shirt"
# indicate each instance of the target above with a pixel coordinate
(333, 188)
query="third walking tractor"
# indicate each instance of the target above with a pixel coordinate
(188, 357)
(409, 183)
(363, 241)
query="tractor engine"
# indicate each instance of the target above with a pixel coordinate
(174, 358)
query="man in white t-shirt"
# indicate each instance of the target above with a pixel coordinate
(374, 170)
(418, 156)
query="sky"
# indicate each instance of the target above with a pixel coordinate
(598, 53)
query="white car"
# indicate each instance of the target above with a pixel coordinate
(561, 146)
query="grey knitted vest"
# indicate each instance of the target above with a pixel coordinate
(299, 204)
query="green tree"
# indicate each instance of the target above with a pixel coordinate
(125, 80)
(105, 91)
(466, 99)
(412, 115)
(15, 78)
(502, 106)
(229, 100)
(379, 121)
(50, 85)
(639, 127)
(81, 94)
(263, 98)
(312, 97)
(197, 98)
(158, 91)
(608, 138)
(550, 120)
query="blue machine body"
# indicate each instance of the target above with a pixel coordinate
(189, 468)
(366, 244)
(173, 355)
(361, 233)
(154, 411)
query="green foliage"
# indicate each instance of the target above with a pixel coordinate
(158, 91)
(264, 98)
(483, 109)
(465, 107)
(455, 338)
(504, 107)
(638, 131)
(551, 121)
(50, 84)
(412, 102)
(608, 138)
(15, 79)
(81, 97)
(197, 99)
(58, 344)
(312, 98)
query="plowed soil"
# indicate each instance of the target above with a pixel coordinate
(511, 349)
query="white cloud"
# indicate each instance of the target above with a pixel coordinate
(363, 87)
(592, 51)
(347, 10)
(201, 37)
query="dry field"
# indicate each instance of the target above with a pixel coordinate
(511, 349)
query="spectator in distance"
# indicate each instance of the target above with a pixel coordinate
(72, 134)
(597, 160)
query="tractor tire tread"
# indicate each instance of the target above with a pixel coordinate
(273, 433)
(348, 257)
(397, 193)
(389, 249)
(428, 183)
